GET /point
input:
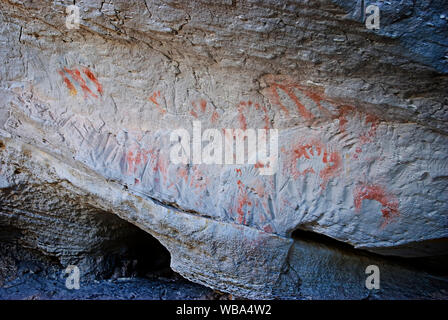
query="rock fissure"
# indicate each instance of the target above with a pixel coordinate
(86, 116)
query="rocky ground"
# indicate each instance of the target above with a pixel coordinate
(39, 287)
(25, 276)
(360, 116)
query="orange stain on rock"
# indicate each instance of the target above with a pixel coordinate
(242, 118)
(215, 116)
(317, 98)
(203, 105)
(288, 89)
(135, 159)
(199, 180)
(374, 122)
(313, 152)
(259, 190)
(183, 173)
(242, 201)
(69, 84)
(316, 94)
(344, 111)
(92, 78)
(161, 166)
(202, 109)
(332, 170)
(194, 114)
(374, 192)
(285, 84)
(259, 164)
(76, 75)
(154, 99)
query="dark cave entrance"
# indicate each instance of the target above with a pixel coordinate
(101, 244)
(116, 260)
(135, 254)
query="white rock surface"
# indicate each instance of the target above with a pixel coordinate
(362, 128)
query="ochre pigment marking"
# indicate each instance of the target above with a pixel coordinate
(375, 192)
(317, 98)
(194, 114)
(68, 83)
(242, 118)
(183, 173)
(317, 152)
(203, 105)
(135, 159)
(202, 108)
(332, 170)
(215, 117)
(287, 85)
(161, 166)
(374, 122)
(92, 78)
(242, 200)
(259, 164)
(76, 75)
(199, 180)
(154, 99)
(344, 111)
(288, 88)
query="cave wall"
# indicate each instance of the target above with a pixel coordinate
(361, 116)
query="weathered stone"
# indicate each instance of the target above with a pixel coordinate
(86, 117)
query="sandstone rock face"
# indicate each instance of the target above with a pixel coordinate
(86, 117)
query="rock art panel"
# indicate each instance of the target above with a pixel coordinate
(362, 154)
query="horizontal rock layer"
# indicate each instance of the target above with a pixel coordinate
(86, 117)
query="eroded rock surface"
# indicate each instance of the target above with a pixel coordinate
(86, 117)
